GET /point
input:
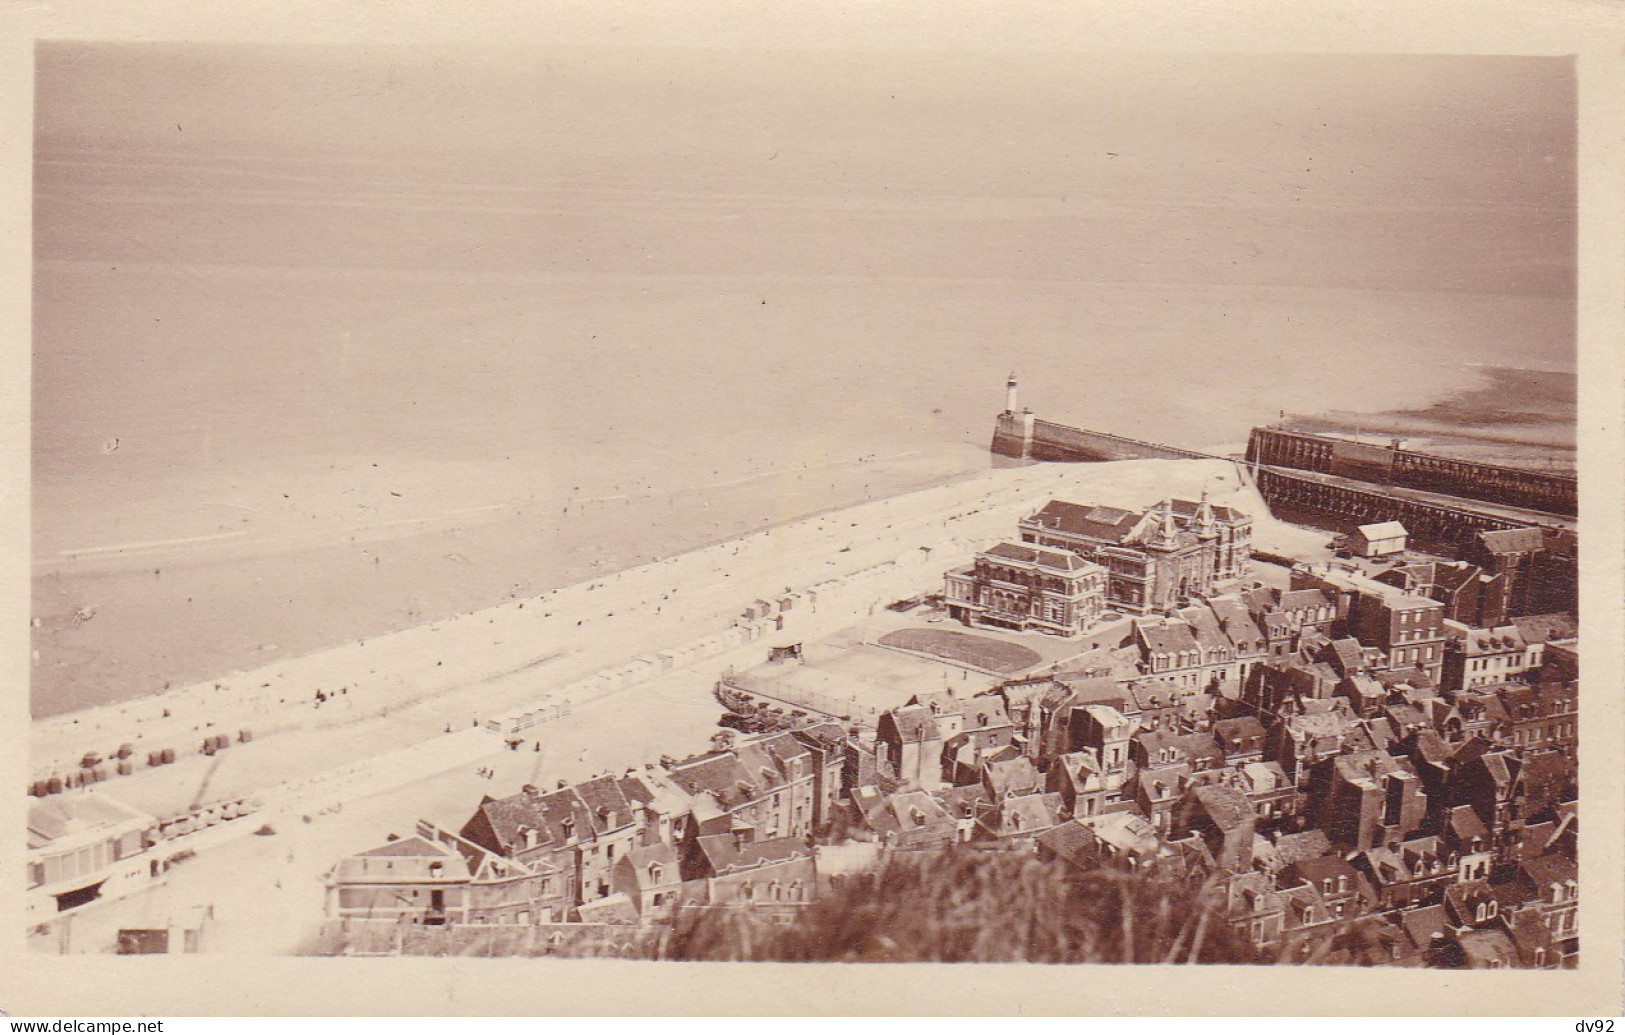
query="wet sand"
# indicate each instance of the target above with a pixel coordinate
(1510, 416)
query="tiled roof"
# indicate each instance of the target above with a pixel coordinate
(1465, 824)
(1068, 841)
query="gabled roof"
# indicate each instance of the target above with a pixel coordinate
(724, 777)
(1512, 540)
(1016, 775)
(1227, 807)
(1381, 530)
(409, 846)
(50, 819)
(1024, 814)
(1235, 619)
(1107, 523)
(1302, 600)
(905, 810)
(1055, 560)
(1165, 637)
(914, 723)
(726, 856)
(984, 713)
(1546, 628)
(1231, 733)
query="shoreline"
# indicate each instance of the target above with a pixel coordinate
(578, 568)
(486, 662)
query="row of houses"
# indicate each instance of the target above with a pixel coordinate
(733, 825)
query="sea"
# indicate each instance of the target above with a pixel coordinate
(285, 401)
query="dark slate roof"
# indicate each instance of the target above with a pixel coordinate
(1235, 619)
(1451, 577)
(1058, 560)
(906, 810)
(409, 846)
(984, 712)
(722, 776)
(915, 723)
(1546, 869)
(1166, 637)
(1231, 732)
(1108, 523)
(1093, 691)
(1069, 841)
(1017, 774)
(1188, 509)
(606, 803)
(1301, 599)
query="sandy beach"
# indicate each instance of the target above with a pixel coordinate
(380, 757)
(419, 682)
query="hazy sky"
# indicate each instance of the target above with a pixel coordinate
(1441, 172)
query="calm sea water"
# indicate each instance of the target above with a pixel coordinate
(318, 400)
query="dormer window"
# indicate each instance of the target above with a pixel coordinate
(655, 873)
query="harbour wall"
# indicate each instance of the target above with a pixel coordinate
(1022, 436)
(1288, 469)
(1548, 492)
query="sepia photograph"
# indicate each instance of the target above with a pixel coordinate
(795, 504)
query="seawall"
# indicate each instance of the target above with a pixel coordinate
(1549, 492)
(1023, 436)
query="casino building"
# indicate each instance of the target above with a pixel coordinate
(1018, 587)
(1155, 560)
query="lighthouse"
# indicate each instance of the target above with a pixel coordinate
(1013, 431)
